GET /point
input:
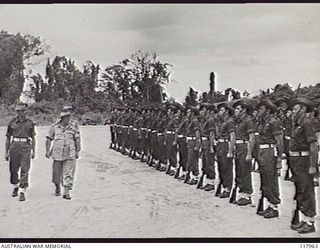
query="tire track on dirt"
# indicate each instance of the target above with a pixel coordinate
(69, 222)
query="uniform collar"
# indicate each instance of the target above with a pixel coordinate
(60, 125)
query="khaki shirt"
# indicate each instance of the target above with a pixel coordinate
(225, 128)
(64, 139)
(269, 128)
(302, 135)
(21, 128)
(244, 128)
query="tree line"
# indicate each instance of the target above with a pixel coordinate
(139, 79)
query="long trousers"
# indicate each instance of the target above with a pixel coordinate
(303, 181)
(193, 158)
(135, 143)
(171, 150)
(162, 150)
(225, 165)
(143, 142)
(154, 145)
(208, 161)
(183, 152)
(243, 169)
(20, 160)
(63, 172)
(269, 175)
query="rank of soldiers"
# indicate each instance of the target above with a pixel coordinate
(217, 147)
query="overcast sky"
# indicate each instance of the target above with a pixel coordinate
(249, 46)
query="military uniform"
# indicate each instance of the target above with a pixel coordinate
(225, 164)
(302, 136)
(161, 142)
(287, 127)
(20, 131)
(208, 131)
(143, 135)
(118, 130)
(269, 127)
(63, 153)
(181, 139)
(244, 127)
(112, 128)
(135, 139)
(172, 150)
(194, 145)
(154, 137)
(125, 131)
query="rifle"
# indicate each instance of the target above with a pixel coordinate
(287, 175)
(158, 166)
(261, 204)
(218, 189)
(168, 169)
(176, 176)
(150, 161)
(187, 177)
(295, 218)
(233, 194)
(200, 183)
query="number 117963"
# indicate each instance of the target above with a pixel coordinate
(309, 245)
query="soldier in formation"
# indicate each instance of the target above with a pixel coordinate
(217, 146)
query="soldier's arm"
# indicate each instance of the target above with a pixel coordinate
(198, 139)
(251, 130)
(8, 142)
(279, 139)
(50, 137)
(251, 144)
(313, 157)
(278, 135)
(211, 137)
(77, 141)
(33, 147)
(78, 144)
(48, 146)
(311, 138)
(232, 143)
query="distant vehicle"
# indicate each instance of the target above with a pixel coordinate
(89, 121)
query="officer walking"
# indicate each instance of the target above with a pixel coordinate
(20, 146)
(64, 152)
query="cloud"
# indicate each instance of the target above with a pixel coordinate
(250, 46)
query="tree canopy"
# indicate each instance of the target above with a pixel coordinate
(15, 51)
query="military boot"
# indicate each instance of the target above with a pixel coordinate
(15, 192)
(67, 195)
(58, 190)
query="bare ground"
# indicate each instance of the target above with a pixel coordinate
(117, 197)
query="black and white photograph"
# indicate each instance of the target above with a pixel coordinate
(160, 121)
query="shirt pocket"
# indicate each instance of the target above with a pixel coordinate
(297, 132)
